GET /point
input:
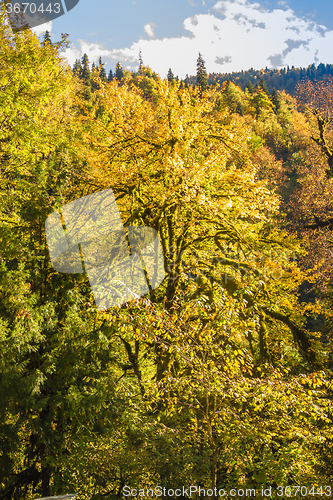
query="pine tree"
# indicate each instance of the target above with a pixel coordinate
(85, 73)
(110, 76)
(141, 65)
(47, 38)
(170, 76)
(102, 73)
(119, 73)
(202, 78)
(263, 86)
(85, 76)
(240, 108)
(77, 68)
(250, 87)
(93, 84)
(276, 100)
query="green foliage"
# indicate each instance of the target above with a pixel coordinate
(170, 76)
(263, 86)
(276, 100)
(250, 87)
(48, 343)
(119, 73)
(85, 73)
(281, 79)
(202, 78)
(102, 73)
(233, 98)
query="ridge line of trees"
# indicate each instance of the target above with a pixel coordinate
(270, 80)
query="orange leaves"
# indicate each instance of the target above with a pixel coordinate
(317, 96)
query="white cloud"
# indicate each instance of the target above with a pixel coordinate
(149, 29)
(236, 36)
(93, 50)
(40, 30)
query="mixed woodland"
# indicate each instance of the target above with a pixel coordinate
(222, 375)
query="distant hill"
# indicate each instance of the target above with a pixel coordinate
(280, 79)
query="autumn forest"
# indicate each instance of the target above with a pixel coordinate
(222, 376)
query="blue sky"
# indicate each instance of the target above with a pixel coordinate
(231, 34)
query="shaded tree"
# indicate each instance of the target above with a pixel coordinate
(119, 73)
(85, 72)
(77, 68)
(202, 78)
(263, 86)
(250, 87)
(102, 73)
(170, 76)
(276, 100)
(141, 65)
(47, 38)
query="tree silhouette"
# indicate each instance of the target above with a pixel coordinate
(102, 73)
(202, 79)
(141, 65)
(119, 73)
(170, 76)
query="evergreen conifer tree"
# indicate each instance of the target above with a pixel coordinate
(77, 68)
(85, 73)
(141, 65)
(263, 86)
(102, 72)
(119, 73)
(202, 78)
(240, 109)
(170, 76)
(47, 38)
(110, 76)
(276, 100)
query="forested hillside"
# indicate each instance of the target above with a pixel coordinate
(222, 376)
(279, 79)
